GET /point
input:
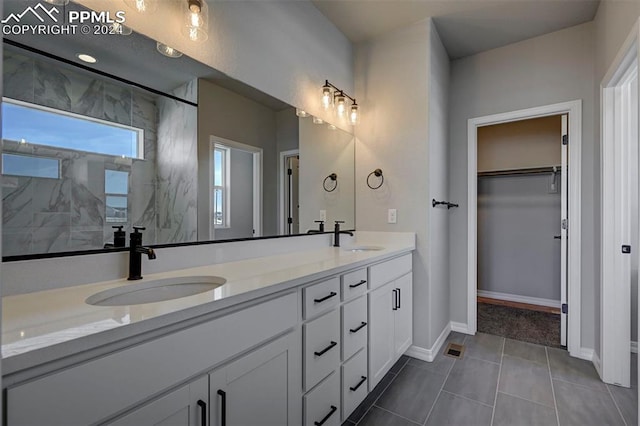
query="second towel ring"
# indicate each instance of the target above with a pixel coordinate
(334, 178)
(376, 173)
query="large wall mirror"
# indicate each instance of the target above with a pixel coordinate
(139, 138)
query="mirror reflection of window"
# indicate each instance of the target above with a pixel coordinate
(30, 166)
(220, 187)
(116, 189)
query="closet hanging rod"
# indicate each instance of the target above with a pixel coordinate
(522, 171)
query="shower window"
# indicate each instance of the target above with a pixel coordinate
(116, 189)
(30, 166)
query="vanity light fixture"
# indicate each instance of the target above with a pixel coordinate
(301, 113)
(168, 50)
(142, 6)
(332, 95)
(86, 58)
(195, 20)
(58, 2)
(120, 29)
(332, 127)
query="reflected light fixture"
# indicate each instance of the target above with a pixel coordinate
(317, 120)
(332, 127)
(301, 113)
(86, 58)
(168, 50)
(196, 20)
(58, 2)
(332, 95)
(142, 6)
(120, 29)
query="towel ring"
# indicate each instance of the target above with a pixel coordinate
(334, 178)
(376, 173)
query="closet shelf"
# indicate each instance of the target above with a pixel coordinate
(521, 171)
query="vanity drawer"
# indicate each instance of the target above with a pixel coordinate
(323, 403)
(354, 326)
(321, 348)
(354, 382)
(354, 284)
(321, 297)
(385, 272)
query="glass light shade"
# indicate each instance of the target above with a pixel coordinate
(120, 29)
(341, 106)
(332, 127)
(168, 50)
(196, 20)
(317, 120)
(301, 113)
(58, 2)
(326, 97)
(142, 6)
(354, 115)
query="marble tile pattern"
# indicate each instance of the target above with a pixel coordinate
(45, 215)
(177, 166)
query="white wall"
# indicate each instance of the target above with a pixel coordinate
(240, 196)
(612, 25)
(284, 48)
(403, 132)
(552, 68)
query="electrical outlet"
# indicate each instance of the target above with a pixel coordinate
(323, 215)
(392, 216)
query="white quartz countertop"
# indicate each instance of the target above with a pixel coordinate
(45, 325)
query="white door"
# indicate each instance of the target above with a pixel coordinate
(403, 331)
(381, 328)
(564, 173)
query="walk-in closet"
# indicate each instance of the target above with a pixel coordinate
(520, 229)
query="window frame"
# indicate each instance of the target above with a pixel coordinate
(118, 195)
(137, 130)
(224, 188)
(20, 154)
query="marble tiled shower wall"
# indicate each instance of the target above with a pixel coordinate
(52, 215)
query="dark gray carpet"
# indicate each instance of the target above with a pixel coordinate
(519, 324)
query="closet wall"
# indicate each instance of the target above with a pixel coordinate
(519, 214)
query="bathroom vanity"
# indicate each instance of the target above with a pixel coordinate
(288, 339)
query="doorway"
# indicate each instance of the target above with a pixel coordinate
(289, 177)
(573, 112)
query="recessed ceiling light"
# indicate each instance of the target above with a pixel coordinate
(168, 50)
(86, 58)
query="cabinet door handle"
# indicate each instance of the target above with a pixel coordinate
(333, 293)
(395, 299)
(358, 328)
(399, 299)
(362, 380)
(322, 352)
(321, 422)
(203, 412)
(357, 284)
(223, 407)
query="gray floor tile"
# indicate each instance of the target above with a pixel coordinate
(524, 350)
(454, 337)
(514, 411)
(378, 417)
(526, 379)
(399, 364)
(573, 370)
(581, 406)
(412, 393)
(361, 409)
(441, 364)
(484, 346)
(627, 400)
(474, 378)
(454, 410)
(348, 423)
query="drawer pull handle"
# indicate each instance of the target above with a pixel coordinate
(358, 284)
(203, 412)
(223, 407)
(332, 294)
(362, 380)
(395, 300)
(322, 352)
(358, 328)
(321, 422)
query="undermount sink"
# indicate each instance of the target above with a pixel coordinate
(356, 249)
(155, 291)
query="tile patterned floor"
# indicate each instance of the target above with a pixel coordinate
(498, 382)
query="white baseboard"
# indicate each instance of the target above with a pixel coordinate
(584, 353)
(520, 299)
(429, 354)
(634, 347)
(597, 364)
(460, 327)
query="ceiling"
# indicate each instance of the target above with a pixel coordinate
(466, 27)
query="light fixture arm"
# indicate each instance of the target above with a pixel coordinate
(338, 90)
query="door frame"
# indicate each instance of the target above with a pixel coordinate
(574, 110)
(282, 215)
(257, 180)
(615, 291)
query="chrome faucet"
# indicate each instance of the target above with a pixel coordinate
(337, 232)
(135, 253)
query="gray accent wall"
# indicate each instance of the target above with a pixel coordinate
(517, 220)
(552, 68)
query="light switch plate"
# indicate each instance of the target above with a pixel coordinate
(392, 216)
(323, 215)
